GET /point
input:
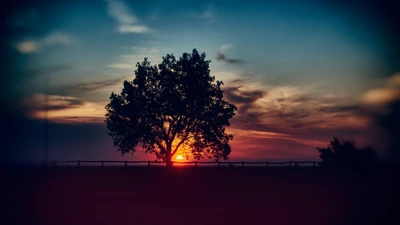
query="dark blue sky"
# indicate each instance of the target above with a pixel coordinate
(299, 71)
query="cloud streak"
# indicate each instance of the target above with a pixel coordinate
(207, 15)
(63, 109)
(127, 21)
(80, 88)
(128, 62)
(139, 29)
(27, 47)
(221, 56)
(120, 12)
(54, 39)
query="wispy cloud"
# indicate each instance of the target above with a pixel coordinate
(93, 86)
(54, 102)
(381, 96)
(128, 61)
(127, 21)
(207, 15)
(237, 95)
(120, 12)
(122, 66)
(64, 109)
(133, 29)
(224, 47)
(27, 47)
(83, 89)
(56, 38)
(221, 56)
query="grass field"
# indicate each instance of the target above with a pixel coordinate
(195, 196)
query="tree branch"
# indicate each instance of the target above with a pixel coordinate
(160, 145)
(180, 143)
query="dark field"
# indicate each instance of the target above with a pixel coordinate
(195, 196)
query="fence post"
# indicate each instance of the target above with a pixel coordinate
(290, 163)
(102, 163)
(195, 164)
(266, 164)
(242, 164)
(148, 164)
(79, 163)
(126, 164)
(219, 164)
(313, 164)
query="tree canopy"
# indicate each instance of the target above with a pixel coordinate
(175, 106)
(344, 154)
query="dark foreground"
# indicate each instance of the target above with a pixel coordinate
(191, 196)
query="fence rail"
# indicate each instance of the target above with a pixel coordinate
(190, 163)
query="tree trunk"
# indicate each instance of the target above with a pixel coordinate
(168, 157)
(168, 161)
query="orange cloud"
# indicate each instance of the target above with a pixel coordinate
(381, 95)
(377, 99)
(64, 109)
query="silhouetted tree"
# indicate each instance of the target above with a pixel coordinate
(344, 154)
(172, 105)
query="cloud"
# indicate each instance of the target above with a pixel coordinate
(128, 62)
(27, 47)
(120, 12)
(221, 56)
(93, 86)
(127, 21)
(238, 95)
(207, 15)
(378, 98)
(37, 102)
(54, 39)
(224, 47)
(340, 108)
(381, 96)
(145, 50)
(63, 109)
(57, 38)
(133, 29)
(122, 66)
(78, 89)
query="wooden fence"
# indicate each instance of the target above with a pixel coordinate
(191, 163)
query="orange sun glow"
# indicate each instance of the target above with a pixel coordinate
(179, 157)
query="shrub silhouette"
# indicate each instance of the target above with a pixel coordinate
(170, 107)
(344, 154)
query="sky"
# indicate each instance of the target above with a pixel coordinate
(300, 72)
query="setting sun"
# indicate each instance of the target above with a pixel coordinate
(179, 157)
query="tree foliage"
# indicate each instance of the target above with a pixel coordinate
(344, 154)
(175, 106)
